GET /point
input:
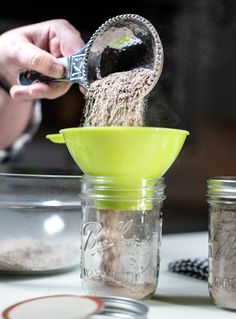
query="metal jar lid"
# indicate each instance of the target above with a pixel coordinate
(117, 307)
(222, 187)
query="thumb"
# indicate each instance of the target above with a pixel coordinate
(31, 57)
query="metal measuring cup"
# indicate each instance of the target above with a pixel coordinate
(122, 43)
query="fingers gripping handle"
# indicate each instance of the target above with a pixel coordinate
(29, 77)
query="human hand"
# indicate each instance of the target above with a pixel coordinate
(37, 47)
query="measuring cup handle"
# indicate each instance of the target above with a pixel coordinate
(28, 77)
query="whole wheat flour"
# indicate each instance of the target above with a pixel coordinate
(223, 255)
(118, 99)
(31, 255)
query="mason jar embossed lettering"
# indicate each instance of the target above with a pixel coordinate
(121, 236)
(221, 192)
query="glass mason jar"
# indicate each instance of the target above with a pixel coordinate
(121, 236)
(222, 241)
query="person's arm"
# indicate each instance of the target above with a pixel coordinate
(17, 128)
(36, 47)
(14, 118)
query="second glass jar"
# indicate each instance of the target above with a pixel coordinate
(221, 194)
(121, 236)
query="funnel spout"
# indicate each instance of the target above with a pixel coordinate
(56, 138)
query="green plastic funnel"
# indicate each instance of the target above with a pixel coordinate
(125, 153)
(145, 152)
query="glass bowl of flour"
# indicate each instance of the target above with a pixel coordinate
(40, 223)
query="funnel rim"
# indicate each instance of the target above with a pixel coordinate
(123, 128)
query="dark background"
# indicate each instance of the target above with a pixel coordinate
(196, 92)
